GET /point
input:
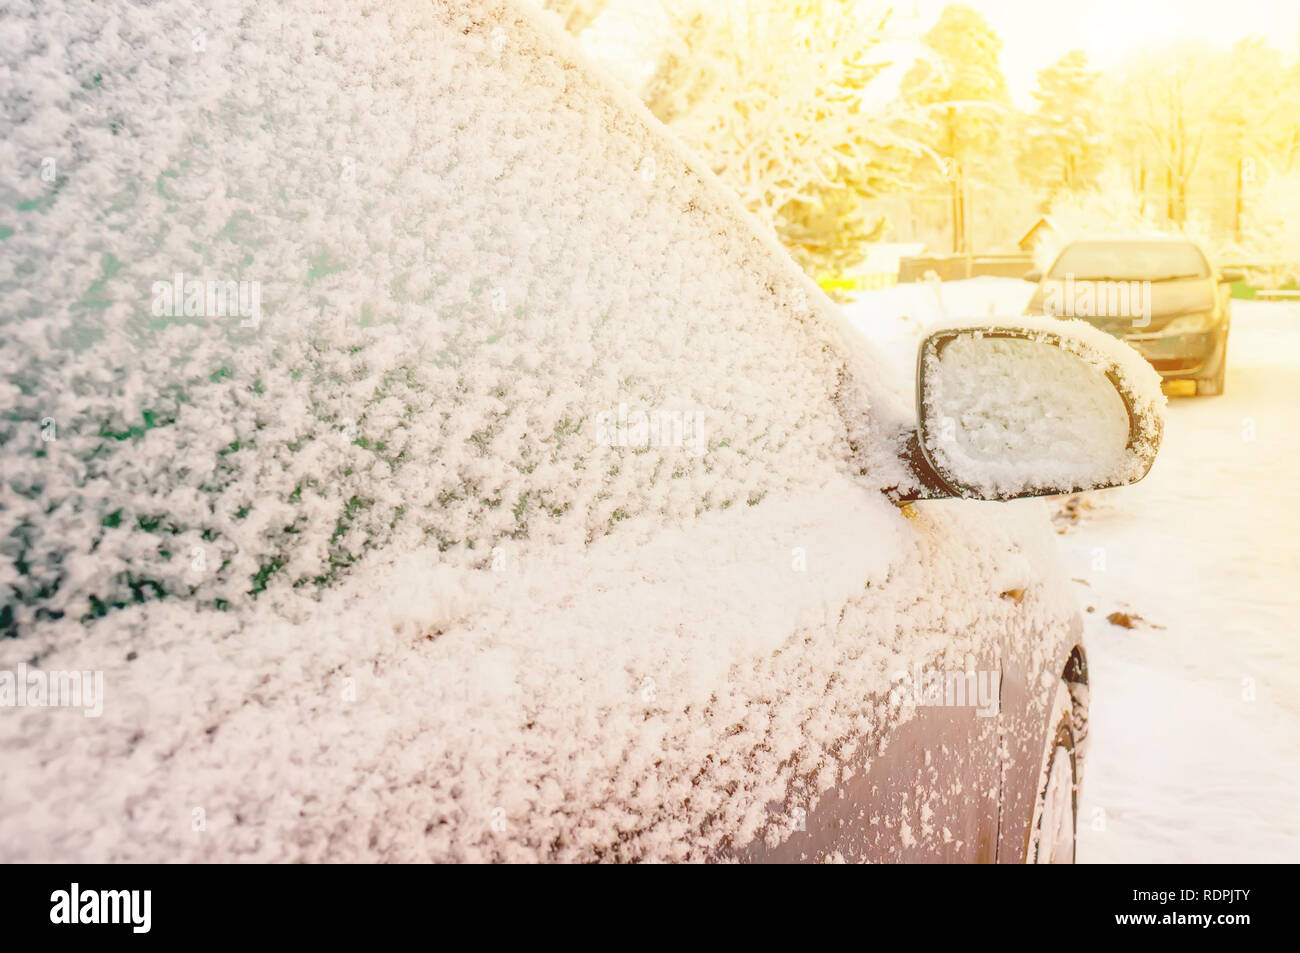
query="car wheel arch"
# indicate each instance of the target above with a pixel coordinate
(1075, 676)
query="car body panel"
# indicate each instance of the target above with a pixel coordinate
(938, 783)
(1028, 681)
(904, 802)
(1183, 356)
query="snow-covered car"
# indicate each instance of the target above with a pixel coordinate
(423, 457)
(1159, 294)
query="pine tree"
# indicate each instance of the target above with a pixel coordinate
(1063, 146)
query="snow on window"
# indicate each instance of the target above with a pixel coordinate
(358, 300)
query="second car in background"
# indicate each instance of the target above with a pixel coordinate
(1161, 295)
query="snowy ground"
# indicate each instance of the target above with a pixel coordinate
(1196, 709)
(1196, 725)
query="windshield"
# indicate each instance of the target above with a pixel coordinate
(1130, 261)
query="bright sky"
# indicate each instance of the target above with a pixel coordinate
(1035, 33)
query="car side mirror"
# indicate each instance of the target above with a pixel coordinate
(1034, 275)
(1038, 408)
(1230, 276)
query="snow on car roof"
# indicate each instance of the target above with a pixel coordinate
(327, 337)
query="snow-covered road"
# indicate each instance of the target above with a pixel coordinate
(1195, 750)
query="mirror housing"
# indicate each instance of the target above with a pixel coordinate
(1034, 275)
(1035, 408)
(1230, 276)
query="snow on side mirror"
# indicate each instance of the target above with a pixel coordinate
(1034, 408)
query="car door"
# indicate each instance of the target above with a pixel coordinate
(923, 782)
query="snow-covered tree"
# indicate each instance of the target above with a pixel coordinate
(1063, 146)
(1174, 98)
(1255, 125)
(1271, 229)
(962, 93)
(1110, 205)
(779, 100)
